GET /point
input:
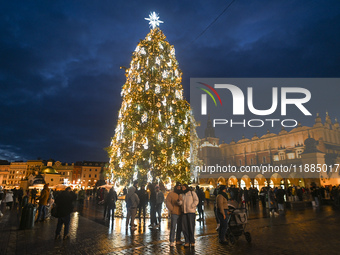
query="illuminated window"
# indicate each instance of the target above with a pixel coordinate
(290, 155)
(282, 156)
(298, 153)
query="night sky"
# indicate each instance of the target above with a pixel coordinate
(60, 75)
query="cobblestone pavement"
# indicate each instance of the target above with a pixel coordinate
(308, 231)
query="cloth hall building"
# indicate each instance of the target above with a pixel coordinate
(300, 151)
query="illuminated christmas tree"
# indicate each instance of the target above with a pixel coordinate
(152, 136)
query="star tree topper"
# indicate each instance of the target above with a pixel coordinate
(154, 20)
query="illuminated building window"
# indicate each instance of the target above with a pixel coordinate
(282, 156)
(290, 155)
(298, 153)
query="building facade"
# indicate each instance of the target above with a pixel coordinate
(65, 170)
(299, 148)
(92, 172)
(17, 172)
(4, 172)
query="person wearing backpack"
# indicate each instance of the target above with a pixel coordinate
(132, 201)
(188, 201)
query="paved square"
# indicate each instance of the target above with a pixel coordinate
(307, 231)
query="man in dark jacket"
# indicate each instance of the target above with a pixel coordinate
(143, 200)
(64, 202)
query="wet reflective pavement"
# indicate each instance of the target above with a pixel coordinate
(307, 231)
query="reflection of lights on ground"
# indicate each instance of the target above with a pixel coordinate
(74, 223)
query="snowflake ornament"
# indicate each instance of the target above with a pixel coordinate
(165, 74)
(160, 137)
(144, 117)
(158, 61)
(157, 89)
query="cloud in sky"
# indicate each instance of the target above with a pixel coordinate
(60, 76)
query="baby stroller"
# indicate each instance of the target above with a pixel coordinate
(237, 222)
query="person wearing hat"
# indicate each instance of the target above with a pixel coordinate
(176, 214)
(222, 213)
(45, 194)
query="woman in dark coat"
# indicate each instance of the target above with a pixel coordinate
(111, 203)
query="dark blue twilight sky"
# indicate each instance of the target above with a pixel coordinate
(60, 79)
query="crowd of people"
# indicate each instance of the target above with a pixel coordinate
(183, 202)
